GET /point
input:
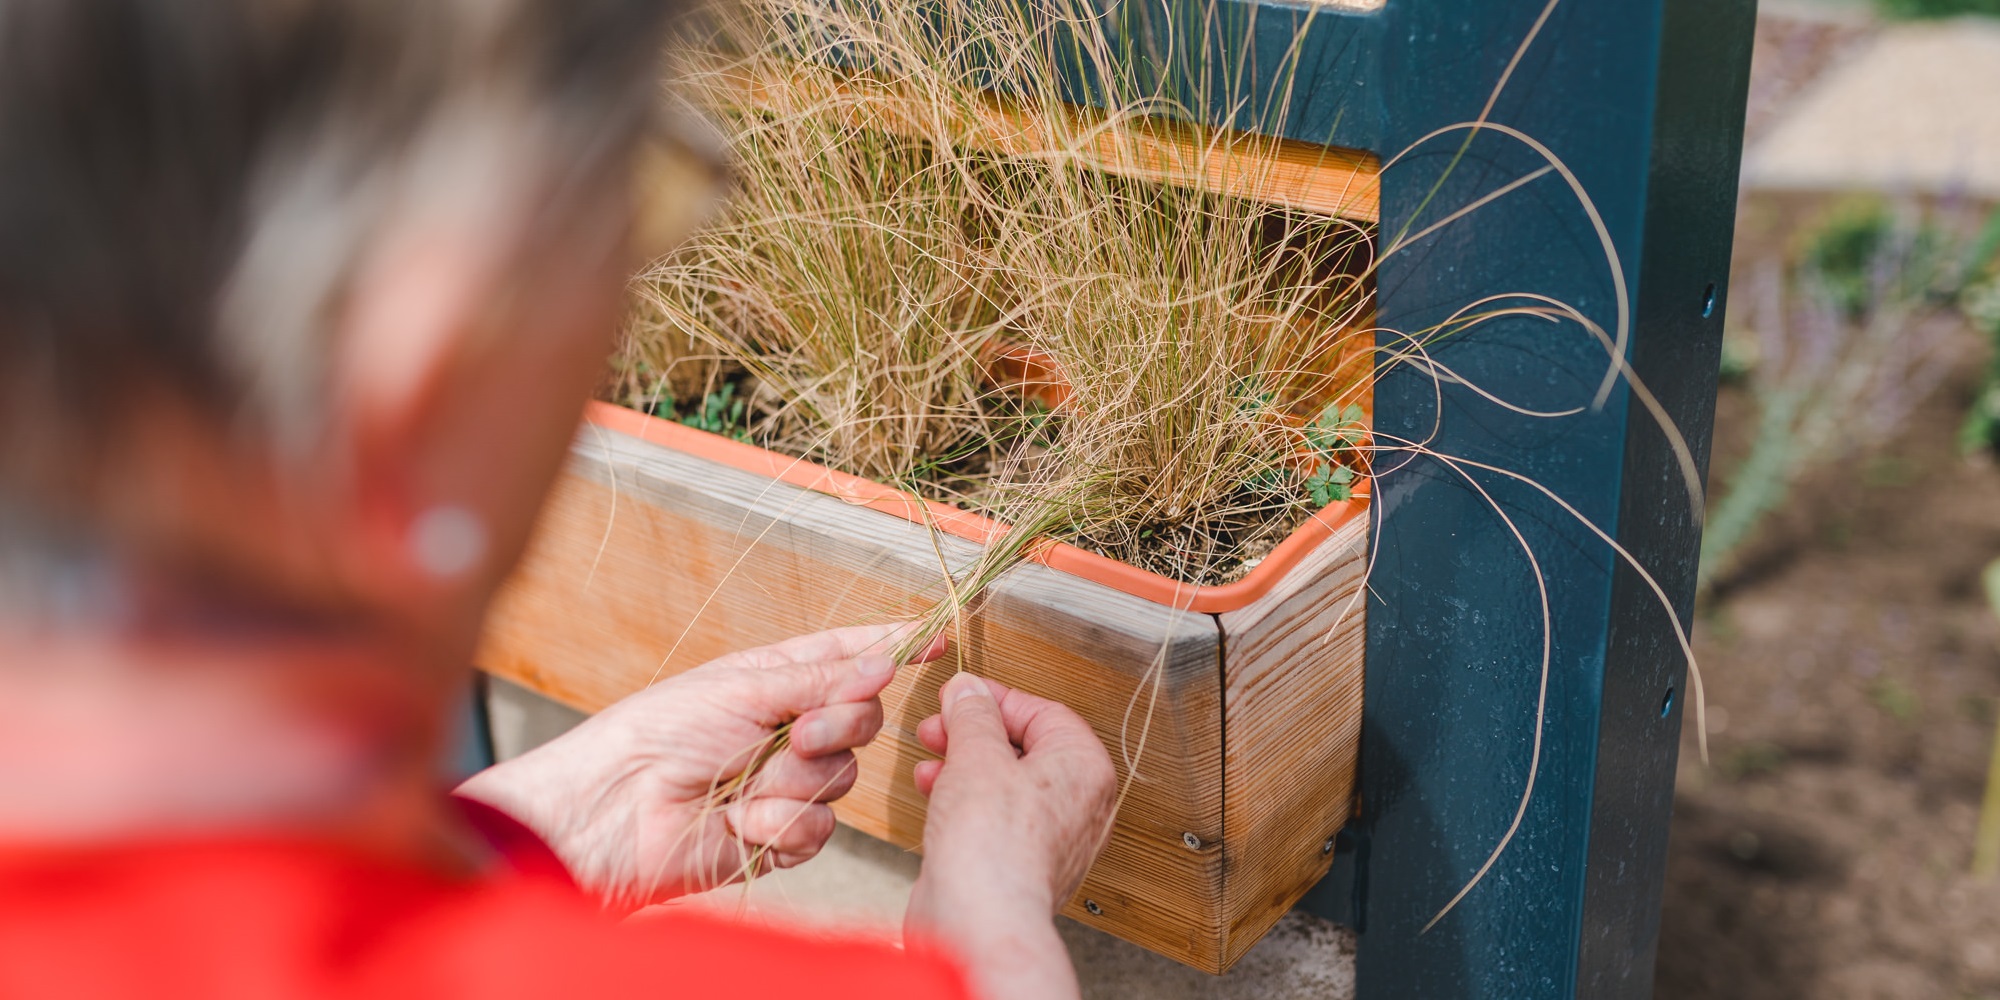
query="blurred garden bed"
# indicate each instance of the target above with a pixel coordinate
(1853, 669)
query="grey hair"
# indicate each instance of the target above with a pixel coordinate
(186, 188)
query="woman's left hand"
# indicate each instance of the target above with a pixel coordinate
(625, 798)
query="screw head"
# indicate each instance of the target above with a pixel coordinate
(1095, 910)
(1193, 842)
(1326, 846)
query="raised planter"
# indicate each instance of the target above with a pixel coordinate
(1235, 709)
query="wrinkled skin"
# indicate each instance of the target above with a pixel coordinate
(627, 799)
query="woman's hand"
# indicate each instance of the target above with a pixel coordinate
(1019, 808)
(625, 798)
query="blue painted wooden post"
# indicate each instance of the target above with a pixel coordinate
(1643, 100)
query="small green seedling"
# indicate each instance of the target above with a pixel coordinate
(720, 413)
(1330, 484)
(1336, 434)
(657, 400)
(1331, 439)
(1337, 429)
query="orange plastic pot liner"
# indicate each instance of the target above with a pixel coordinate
(977, 528)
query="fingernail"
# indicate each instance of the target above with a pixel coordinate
(811, 736)
(874, 665)
(963, 685)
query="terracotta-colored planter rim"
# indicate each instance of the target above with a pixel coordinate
(978, 528)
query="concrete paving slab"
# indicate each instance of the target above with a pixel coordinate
(860, 885)
(1796, 42)
(1915, 110)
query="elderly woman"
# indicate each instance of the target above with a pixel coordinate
(299, 301)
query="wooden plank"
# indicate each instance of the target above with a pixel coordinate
(650, 561)
(1292, 685)
(1324, 180)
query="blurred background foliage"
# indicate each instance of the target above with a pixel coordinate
(1840, 336)
(1929, 9)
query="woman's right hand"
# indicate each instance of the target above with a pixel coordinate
(1019, 808)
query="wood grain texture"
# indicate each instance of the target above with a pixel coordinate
(1314, 178)
(649, 561)
(1292, 728)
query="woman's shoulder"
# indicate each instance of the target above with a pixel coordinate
(275, 919)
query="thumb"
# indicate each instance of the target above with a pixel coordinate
(796, 688)
(972, 719)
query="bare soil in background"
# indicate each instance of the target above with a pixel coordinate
(1852, 676)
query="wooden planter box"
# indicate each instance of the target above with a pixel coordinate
(1239, 706)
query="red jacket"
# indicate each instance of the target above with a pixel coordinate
(258, 918)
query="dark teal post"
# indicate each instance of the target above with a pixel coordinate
(1643, 101)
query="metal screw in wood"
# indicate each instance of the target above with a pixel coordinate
(1095, 910)
(1193, 842)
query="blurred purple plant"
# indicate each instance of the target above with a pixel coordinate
(1842, 346)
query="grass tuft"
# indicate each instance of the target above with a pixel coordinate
(894, 231)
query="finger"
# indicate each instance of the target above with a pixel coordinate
(869, 677)
(927, 775)
(833, 644)
(1057, 742)
(972, 720)
(1037, 724)
(931, 734)
(816, 779)
(791, 691)
(782, 826)
(836, 727)
(777, 859)
(930, 652)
